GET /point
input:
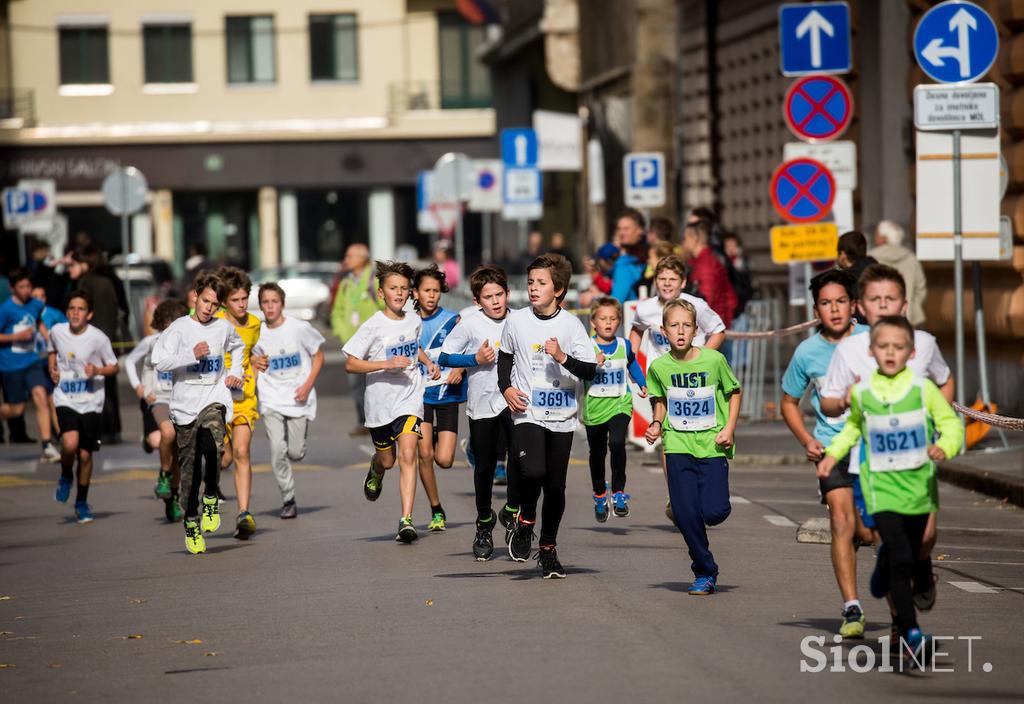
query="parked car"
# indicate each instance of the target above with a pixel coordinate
(307, 288)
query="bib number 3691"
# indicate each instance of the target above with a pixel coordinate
(551, 402)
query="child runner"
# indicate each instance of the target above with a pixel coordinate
(154, 392)
(690, 387)
(386, 349)
(898, 413)
(834, 295)
(289, 360)
(49, 317)
(609, 406)
(23, 377)
(442, 396)
(545, 354)
(80, 356)
(239, 435)
(883, 292)
(194, 349)
(474, 343)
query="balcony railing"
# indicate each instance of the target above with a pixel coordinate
(410, 96)
(17, 108)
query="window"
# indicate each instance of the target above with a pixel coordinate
(83, 55)
(250, 49)
(168, 53)
(332, 48)
(464, 80)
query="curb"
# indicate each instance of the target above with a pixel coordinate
(989, 483)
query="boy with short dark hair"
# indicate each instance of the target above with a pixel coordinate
(80, 355)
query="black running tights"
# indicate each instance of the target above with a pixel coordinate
(544, 463)
(485, 434)
(208, 459)
(902, 537)
(610, 435)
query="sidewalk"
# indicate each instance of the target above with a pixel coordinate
(991, 470)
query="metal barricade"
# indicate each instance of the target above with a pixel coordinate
(751, 357)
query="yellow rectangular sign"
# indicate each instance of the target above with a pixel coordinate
(815, 242)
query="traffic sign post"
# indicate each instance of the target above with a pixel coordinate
(522, 187)
(956, 42)
(803, 190)
(644, 179)
(815, 38)
(124, 194)
(818, 108)
(453, 183)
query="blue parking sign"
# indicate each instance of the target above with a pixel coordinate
(644, 179)
(815, 38)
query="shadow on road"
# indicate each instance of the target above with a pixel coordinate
(683, 586)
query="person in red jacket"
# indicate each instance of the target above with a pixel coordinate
(707, 273)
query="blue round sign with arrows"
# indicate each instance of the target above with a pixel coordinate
(956, 42)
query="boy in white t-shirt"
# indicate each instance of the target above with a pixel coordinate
(193, 348)
(79, 357)
(545, 356)
(154, 392)
(288, 360)
(386, 348)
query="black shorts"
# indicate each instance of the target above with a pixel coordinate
(384, 436)
(149, 424)
(18, 385)
(87, 425)
(443, 416)
(838, 478)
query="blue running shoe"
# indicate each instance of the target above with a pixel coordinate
(917, 647)
(63, 490)
(83, 512)
(702, 586)
(601, 507)
(880, 577)
(500, 475)
(620, 507)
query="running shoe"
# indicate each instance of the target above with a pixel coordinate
(601, 507)
(620, 507)
(146, 447)
(521, 540)
(437, 523)
(894, 639)
(550, 567)
(172, 509)
(853, 623)
(210, 520)
(63, 490)
(163, 485)
(50, 454)
(500, 475)
(483, 542)
(668, 510)
(194, 541)
(924, 600)
(406, 530)
(507, 516)
(917, 648)
(703, 586)
(467, 447)
(245, 526)
(82, 512)
(879, 583)
(289, 509)
(373, 484)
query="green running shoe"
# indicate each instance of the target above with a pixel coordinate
(406, 530)
(194, 541)
(437, 523)
(245, 526)
(163, 485)
(210, 520)
(373, 484)
(172, 509)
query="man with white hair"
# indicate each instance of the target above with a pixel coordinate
(889, 250)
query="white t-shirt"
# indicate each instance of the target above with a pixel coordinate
(648, 322)
(76, 391)
(291, 347)
(390, 393)
(198, 383)
(483, 398)
(152, 381)
(553, 394)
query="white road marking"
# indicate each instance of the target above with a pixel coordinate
(112, 465)
(21, 468)
(974, 588)
(981, 562)
(976, 547)
(654, 470)
(738, 500)
(368, 450)
(962, 529)
(780, 521)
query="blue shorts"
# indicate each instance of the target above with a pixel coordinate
(862, 508)
(18, 385)
(44, 364)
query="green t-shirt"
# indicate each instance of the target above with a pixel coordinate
(696, 394)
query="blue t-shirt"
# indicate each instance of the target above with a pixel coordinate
(15, 356)
(808, 366)
(50, 317)
(435, 329)
(627, 273)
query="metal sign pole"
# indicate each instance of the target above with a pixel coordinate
(126, 248)
(958, 269)
(460, 249)
(486, 254)
(979, 327)
(22, 255)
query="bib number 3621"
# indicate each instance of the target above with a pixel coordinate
(898, 442)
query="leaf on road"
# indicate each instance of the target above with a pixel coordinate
(6, 666)
(6, 598)
(6, 633)
(132, 636)
(18, 618)
(195, 641)
(210, 654)
(429, 602)
(54, 666)
(138, 601)
(942, 557)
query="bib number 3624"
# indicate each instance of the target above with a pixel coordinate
(692, 409)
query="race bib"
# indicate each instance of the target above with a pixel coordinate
(898, 442)
(402, 348)
(690, 410)
(658, 339)
(552, 400)
(23, 347)
(285, 365)
(610, 380)
(206, 370)
(72, 384)
(164, 380)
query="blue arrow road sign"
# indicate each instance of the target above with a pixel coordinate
(519, 147)
(815, 38)
(956, 42)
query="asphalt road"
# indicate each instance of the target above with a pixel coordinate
(329, 607)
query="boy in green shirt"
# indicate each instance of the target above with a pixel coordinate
(690, 386)
(898, 414)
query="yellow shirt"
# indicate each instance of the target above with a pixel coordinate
(250, 334)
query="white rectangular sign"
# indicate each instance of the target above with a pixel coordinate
(486, 194)
(839, 157)
(523, 195)
(559, 141)
(956, 107)
(979, 195)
